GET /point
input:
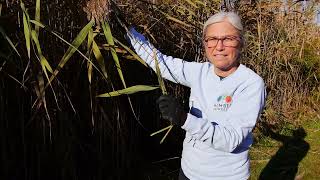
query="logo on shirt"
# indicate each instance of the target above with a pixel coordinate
(223, 103)
(226, 99)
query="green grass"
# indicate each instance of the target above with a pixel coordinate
(311, 163)
(268, 150)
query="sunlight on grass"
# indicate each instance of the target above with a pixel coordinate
(263, 151)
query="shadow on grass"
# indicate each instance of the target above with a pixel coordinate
(284, 164)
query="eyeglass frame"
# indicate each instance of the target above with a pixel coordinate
(222, 38)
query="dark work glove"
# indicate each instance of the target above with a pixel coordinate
(172, 110)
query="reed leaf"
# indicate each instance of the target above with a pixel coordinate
(158, 72)
(160, 131)
(26, 28)
(110, 41)
(75, 45)
(37, 15)
(69, 44)
(164, 137)
(44, 63)
(175, 19)
(178, 21)
(40, 89)
(138, 58)
(9, 40)
(129, 90)
(89, 44)
(164, 91)
(37, 23)
(90, 39)
(108, 48)
(99, 58)
(32, 34)
(43, 100)
(15, 79)
(89, 65)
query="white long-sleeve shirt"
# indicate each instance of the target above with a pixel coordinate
(222, 114)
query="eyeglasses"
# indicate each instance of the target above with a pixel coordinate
(227, 41)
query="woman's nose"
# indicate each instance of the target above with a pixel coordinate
(220, 45)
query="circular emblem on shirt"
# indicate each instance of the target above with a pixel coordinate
(228, 99)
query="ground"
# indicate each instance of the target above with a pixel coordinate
(277, 160)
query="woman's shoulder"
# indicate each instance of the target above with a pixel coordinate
(250, 75)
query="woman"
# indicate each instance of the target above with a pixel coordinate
(225, 101)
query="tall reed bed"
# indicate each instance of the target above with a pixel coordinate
(283, 48)
(280, 46)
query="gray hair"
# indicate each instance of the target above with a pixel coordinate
(232, 18)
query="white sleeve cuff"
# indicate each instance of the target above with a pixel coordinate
(193, 124)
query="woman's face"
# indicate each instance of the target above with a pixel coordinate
(222, 46)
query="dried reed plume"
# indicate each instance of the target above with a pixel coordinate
(98, 10)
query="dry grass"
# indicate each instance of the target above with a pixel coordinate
(283, 49)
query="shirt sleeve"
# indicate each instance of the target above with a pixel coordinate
(242, 117)
(173, 69)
